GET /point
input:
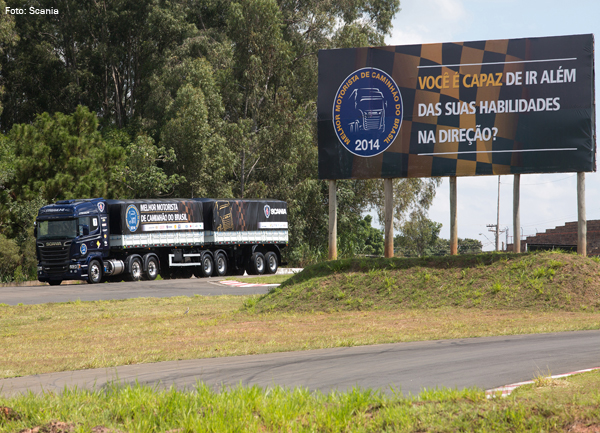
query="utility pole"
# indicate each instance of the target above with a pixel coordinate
(494, 228)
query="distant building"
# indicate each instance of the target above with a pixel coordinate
(564, 238)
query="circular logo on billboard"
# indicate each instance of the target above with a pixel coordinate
(83, 249)
(367, 112)
(132, 216)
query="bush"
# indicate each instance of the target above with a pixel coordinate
(10, 258)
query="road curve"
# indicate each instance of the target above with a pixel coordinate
(407, 367)
(14, 295)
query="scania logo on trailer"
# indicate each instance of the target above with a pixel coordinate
(367, 112)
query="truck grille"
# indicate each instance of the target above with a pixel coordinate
(55, 260)
(372, 123)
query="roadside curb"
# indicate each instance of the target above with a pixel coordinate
(285, 271)
(240, 284)
(504, 391)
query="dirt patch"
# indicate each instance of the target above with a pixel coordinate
(9, 414)
(66, 427)
(52, 427)
(583, 427)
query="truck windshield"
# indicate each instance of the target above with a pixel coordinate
(57, 229)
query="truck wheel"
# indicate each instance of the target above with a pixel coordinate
(152, 269)
(271, 259)
(94, 272)
(207, 267)
(135, 269)
(221, 265)
(54, 282)
(256, 266)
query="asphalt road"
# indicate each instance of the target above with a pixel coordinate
(407, 367)
(13, 295)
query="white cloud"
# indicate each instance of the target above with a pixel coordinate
(427, 21)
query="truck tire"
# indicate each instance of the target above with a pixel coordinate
(256, 265)
(220, 265)
(152, 269)
(135, 269)
(207, 267)
(271, 260)
(94, 272)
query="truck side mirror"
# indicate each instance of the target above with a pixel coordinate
(84, 230)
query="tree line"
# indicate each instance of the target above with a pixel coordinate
(156, 98)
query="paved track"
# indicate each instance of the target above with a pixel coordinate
(409, 367)
(95, 292)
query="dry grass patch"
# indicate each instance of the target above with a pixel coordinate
(79, 335)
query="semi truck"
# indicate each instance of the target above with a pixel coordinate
(98, 240)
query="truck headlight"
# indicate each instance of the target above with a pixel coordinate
(74, 266)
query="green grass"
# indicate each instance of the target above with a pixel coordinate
(542, 281)
(567, 405)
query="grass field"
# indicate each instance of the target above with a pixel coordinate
(569, 405)
(330, 305)
(333, 304)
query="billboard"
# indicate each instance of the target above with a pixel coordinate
(457, 109)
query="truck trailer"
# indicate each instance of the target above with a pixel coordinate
(100, 240)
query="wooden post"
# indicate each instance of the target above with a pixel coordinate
(332, 220)
(517, 214)
(581, 221)
(388, 189)
(453, 218)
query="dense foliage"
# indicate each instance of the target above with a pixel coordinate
(127, 99)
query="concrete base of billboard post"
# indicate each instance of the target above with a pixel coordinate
(388, 189)
(453, 218)
(581, 221)
(332, 220)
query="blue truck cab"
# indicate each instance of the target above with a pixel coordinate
(72, 239)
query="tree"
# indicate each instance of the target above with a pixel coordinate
(418, 235)
(142, 176)
(97, 54)
(63, 156)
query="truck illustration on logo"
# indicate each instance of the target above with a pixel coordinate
(370, 105)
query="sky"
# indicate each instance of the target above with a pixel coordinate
(547, 200)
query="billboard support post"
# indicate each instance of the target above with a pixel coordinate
(517, 214)
(498, 219)
(453, 218)
(581, 220)
(332, 220)
(388, 189)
